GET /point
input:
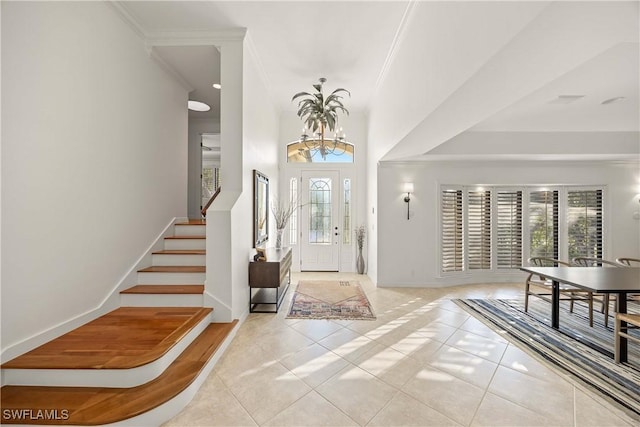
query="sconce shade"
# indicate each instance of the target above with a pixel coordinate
(408, 187)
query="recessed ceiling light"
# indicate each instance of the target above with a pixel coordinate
(565, 99)
(217, 86)
(613, 100)
(198, 106)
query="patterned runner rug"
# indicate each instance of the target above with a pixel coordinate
(330, 299)
(583, 352)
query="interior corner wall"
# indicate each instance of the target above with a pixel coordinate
(408, 249)
(94, 160)
(260, 144)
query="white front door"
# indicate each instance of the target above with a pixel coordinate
(320, 213)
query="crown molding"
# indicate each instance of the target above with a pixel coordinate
(195, 38)
(176, 38)
(169, 69)
(395, 44)
(129, 18)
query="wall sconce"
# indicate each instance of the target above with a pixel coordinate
(408, 188)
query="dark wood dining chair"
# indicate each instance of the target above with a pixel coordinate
(540, 287)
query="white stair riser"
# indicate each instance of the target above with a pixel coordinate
(171, 244)
(190, 230)
(158, 278)
(104, 377)
(161, 300)
(173, 259)
(171, 408)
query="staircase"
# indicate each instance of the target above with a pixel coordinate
(127, 366)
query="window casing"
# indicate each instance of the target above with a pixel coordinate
(498, 228)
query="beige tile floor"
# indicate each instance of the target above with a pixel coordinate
(423, 362)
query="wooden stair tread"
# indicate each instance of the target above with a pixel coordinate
(174, 269)
(100, 405)
(124, 338)
(185, 237)
(193, 222)
(180, 252)
(165, 289)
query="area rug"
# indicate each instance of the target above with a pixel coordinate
(330, 299)
(585, 353)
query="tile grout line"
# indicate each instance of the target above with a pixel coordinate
(486, 389)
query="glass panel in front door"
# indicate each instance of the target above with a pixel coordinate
(320, 211)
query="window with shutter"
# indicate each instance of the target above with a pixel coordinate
(543, 224)
(509, 229)
(584, 220)
(451, 228)
(479, 230)
(484, 229)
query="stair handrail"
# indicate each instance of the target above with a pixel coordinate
(204, 209)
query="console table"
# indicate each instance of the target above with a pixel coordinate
(269, 280)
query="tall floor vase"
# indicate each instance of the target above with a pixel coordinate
(360, 262)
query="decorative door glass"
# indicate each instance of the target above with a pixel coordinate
(320, 211)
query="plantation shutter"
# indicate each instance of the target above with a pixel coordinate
(509, 229)
(451, 226)
(543, 224)
(479, 230)
(584, 218)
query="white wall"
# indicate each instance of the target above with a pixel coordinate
(249, 131)
(260, 143)
(407, 249)
(355, 127)
(94, 161)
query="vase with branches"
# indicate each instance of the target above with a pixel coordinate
(361, 233)
(282, 212)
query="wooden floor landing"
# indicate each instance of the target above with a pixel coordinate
(98, 405)
(125, 338)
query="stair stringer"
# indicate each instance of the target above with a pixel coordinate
(218, 286)
(221, 311)
(109, 303)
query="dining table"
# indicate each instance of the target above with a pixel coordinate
(620, 281)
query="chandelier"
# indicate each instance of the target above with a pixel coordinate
(320, 115)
